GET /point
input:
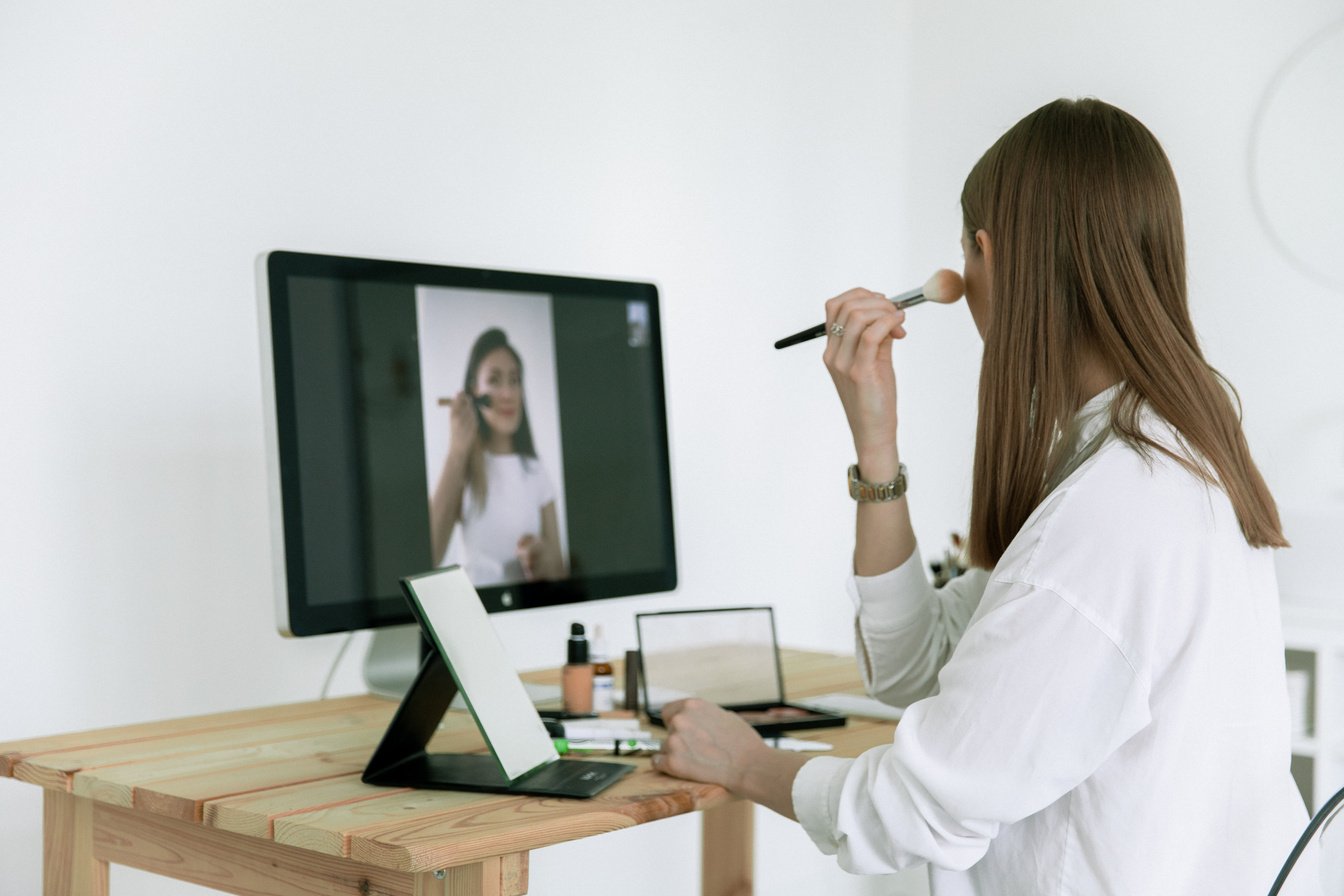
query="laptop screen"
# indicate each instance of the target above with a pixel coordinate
(453, 617)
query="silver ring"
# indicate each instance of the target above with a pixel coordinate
(837, 329)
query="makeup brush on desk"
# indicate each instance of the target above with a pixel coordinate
(944, 286)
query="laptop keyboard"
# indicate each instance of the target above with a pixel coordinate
(569, 773)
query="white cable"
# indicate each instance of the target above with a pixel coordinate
(345, 644)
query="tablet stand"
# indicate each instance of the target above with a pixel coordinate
(401, 759)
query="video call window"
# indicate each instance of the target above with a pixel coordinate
(493, 447)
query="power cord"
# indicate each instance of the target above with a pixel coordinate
(345, 645)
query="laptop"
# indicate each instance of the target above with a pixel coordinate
(727, 656)
(467, 656)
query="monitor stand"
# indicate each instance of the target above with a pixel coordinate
(393, 662)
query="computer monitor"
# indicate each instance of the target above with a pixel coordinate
(420, 415)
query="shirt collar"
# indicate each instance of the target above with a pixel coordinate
(1094, 415)
(1088, 429)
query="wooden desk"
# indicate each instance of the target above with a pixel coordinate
(269, 801)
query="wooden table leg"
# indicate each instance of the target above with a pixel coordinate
(497, 876)
(727, 854)
(69, 867)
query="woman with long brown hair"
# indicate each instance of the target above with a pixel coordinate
(1099, 705)
(492, 486)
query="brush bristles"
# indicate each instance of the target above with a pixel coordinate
(944, 286)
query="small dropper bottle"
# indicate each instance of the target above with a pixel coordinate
(576, 679)
(604, 682)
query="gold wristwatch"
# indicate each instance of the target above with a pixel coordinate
(876, 492)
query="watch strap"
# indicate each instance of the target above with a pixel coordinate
(876, 492)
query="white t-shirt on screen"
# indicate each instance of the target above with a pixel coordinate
(518, 489)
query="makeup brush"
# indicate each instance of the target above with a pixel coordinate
(482, 401)
(944, 286)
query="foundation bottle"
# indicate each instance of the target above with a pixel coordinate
(576, 679)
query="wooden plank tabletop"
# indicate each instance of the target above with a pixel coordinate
(291, 774)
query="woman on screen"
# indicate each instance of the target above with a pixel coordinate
(1099, 705)
(492, 482)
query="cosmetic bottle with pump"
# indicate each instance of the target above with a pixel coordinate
(576, 679)
(604, 682)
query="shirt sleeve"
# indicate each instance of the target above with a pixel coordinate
(1034, 700)
(905, 628)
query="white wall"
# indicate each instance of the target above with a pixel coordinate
(751, 157)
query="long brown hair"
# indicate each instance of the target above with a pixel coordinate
(1084, 217)
(487, 342)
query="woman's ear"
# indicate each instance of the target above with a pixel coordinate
(986, 247)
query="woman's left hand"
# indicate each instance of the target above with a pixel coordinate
(707, 743)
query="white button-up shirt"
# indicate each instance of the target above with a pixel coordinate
(1103, 713)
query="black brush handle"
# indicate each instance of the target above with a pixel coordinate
(802, 336)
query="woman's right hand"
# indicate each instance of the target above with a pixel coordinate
(463, 423)
(860, 365)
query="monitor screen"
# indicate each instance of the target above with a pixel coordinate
(423, 415)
